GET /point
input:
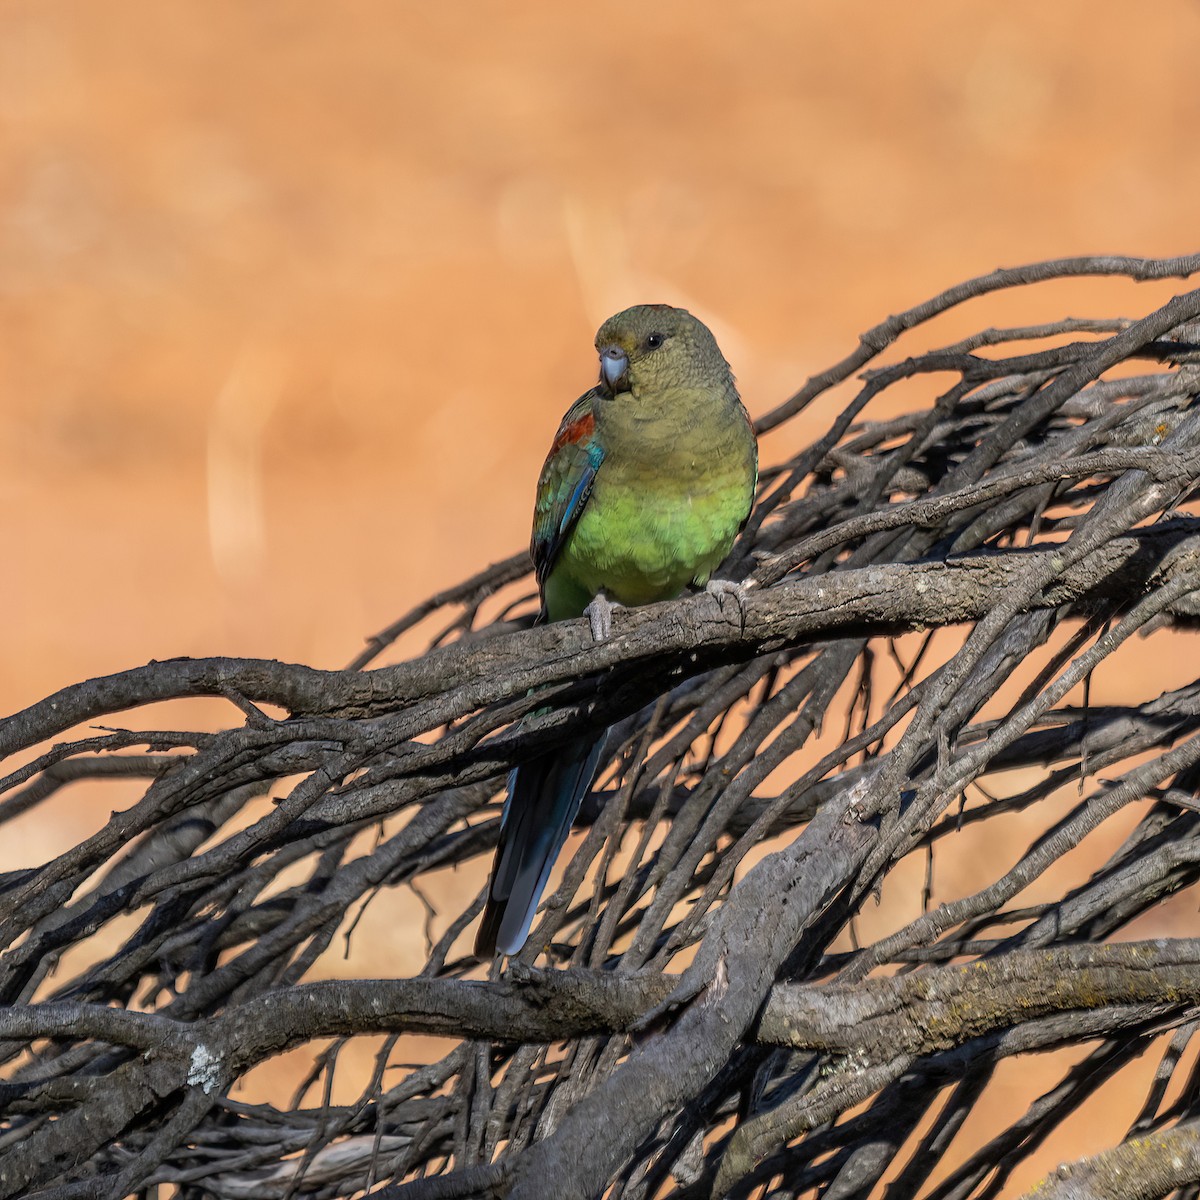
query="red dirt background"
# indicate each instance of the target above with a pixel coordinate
(292, 295)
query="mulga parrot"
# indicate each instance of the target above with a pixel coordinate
(648, 481)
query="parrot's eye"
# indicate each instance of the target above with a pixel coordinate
(654, 341)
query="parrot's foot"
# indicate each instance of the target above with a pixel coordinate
(722, 589)
(599, 614)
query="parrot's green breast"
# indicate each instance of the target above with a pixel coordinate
(663, 514)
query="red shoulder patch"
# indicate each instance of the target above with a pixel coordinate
(574, 432)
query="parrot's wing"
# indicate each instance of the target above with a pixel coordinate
(565, 483)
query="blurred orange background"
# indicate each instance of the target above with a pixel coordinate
(293, 295)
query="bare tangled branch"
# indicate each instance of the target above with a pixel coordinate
(931, 595)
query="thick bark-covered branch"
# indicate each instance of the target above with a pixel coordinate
(948, 1005)
(1143, 1168)
(657, 641)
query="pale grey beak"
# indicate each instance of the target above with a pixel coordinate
(614, 366)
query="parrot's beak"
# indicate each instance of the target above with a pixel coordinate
(614, 368)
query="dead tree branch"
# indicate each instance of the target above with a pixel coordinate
(721, 1009)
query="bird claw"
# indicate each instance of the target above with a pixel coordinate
(599, 615)
(721, 589)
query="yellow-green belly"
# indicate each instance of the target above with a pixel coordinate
(639, 545)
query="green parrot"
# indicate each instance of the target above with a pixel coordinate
(649, 479)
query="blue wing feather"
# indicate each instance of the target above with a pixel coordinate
(565, 483)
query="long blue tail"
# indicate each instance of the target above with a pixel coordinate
(544, 794)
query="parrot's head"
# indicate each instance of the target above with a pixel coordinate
(651, 348)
